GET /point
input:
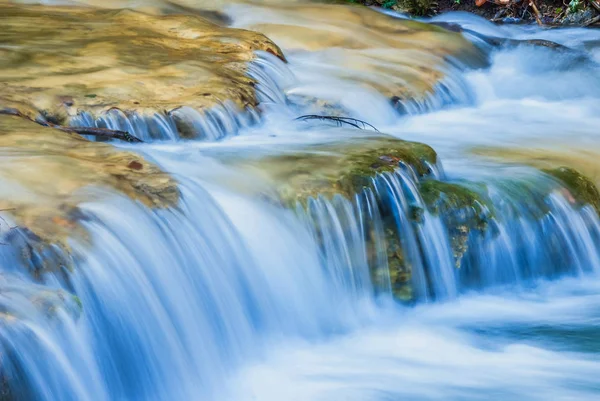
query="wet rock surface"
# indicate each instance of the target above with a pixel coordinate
(462, 210)
(46, 173)
(343, 168)
(578, 169)
(402, 59)
(60, 61)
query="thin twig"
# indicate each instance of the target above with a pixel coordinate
(99, 132)
(354, 122)
(592, 21)
(595, 4)
(536, 13)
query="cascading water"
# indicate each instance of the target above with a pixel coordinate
(184, 122)
(231, 296)
(153, 333)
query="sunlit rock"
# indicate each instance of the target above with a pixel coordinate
(343, 168)
(57, 62)
(407, 61)
(47, 173)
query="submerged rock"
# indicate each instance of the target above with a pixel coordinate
(578, 169)
(581, 187)
(57, 62)
(21, 300)
(25, 308)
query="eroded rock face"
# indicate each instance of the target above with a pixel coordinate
(45, 172)
(58, 61)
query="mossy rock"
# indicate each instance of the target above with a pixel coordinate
(462, 209)
(581, 187)
(342, 167)
(442, 196)
(576, 167)
(400, 271)
(345, 169)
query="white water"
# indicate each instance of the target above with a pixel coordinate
(230, 297)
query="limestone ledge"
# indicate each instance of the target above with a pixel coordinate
(402, 59)
(44, 173)
(58, 61)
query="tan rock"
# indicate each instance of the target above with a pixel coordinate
(59, 61)
(399, 58)
(44, 170)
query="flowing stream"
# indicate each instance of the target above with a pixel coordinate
(231, 296)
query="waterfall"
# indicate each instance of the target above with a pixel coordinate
(232, 294)
(522, 242)
(173, 299)
(181, 123)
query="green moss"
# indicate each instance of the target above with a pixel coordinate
(441, 196)
(462, 209)
(400, 270)
(582, 188)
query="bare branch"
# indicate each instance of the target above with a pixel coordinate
(99, 132)
(339, 120)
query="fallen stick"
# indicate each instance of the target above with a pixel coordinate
(99, 132)
(595, 4)
(339, 120)
(592, 21)
(536, 13)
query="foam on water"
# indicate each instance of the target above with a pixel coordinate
(535, 345)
